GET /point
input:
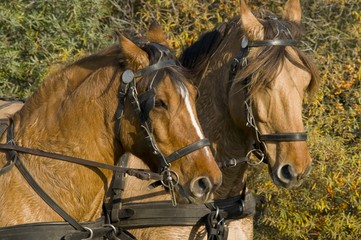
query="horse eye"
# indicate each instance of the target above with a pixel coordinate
(160, 104)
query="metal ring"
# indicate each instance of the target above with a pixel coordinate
(257, 163)
(172, 174)
(91, 234)
(216, 214)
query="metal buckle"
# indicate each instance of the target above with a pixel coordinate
(232, 163)
(170, 179)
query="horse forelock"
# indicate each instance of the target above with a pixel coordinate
(177, 73)
(263, 68)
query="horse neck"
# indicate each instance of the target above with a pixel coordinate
(80, 124)
(228, 139)
(78, 101)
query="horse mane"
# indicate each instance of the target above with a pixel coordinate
(196, 56)
(264, 68)
(178, 73)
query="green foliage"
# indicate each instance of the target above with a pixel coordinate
(36, 35)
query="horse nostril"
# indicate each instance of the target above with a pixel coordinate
(201, 186)
(286, 176)
(286, 172)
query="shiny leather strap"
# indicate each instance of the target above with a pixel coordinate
(51, 203)
(188, 149)
(283, 137)
(154, 67)
(163, 213)
(139, 173)
(273, 42)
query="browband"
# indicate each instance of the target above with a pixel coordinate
(154, 67)
(273, 42)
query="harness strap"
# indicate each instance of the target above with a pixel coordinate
(62, 230)
(4, 124)
(117, 188)
(215, 226)
(13, 155)
(100, 233)
(45, 196)
(139, 173)
(163, 213)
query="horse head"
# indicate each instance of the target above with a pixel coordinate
(275, 77)
(168, 123)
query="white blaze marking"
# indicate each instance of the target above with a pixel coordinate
(185, 95)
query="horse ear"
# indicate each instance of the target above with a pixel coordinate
(156, 34)
(251, 25)
(135, 56)
(292, 11)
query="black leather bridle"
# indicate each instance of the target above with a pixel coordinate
(239, 62)
(142, 105)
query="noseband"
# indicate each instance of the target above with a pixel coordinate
(239, 62)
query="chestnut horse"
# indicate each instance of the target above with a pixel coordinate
(128, 98)
(252, 80)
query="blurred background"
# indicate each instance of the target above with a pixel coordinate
(37, 37)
